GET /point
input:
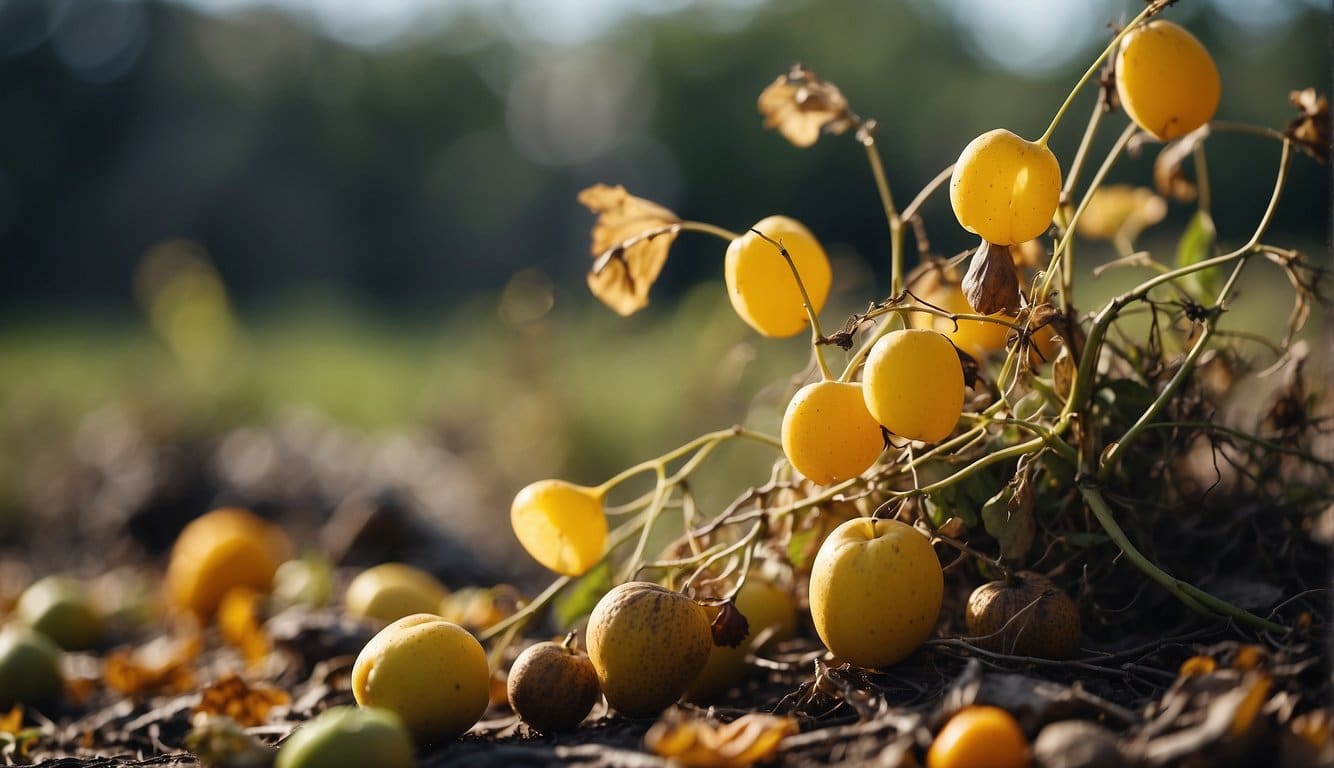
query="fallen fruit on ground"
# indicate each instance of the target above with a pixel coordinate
(219, 551)
(29, 668)
(1026, 615)
(389, 591)
(431, 672)
(552, 686)
(876, 590)
(349, 737)
(61, 608)
(979, 737)
(647, 644)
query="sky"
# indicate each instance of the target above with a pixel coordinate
(1027, 37)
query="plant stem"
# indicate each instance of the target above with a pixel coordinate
(927, 191)
(685, 448)
(1081, 154)
(1193, 597)
(817, 335)
(1149, 10)
(1070, 226)
(708, 229)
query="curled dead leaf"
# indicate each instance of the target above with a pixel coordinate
(991, 284)
(1310, 129)
(245, 703)
(729, 627)
(802, 107)
(631, 238)
(1121, 211)
(1169, 176)
(698, 743)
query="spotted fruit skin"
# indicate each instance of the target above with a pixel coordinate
(647, 644)
(431, 672)
(913, 384)
(876, 590)
(828, 435)
(760, 283)
(1166, 80)
(1026, 616)
(552, 687)
(1005, 188)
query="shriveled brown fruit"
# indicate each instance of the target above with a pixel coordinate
(553, 687)
(1028, 615)
(992, 283)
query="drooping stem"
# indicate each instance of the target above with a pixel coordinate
(685, 448)
(1149, 10)
(1193, 597)
(709, 229)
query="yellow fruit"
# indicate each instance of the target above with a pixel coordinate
(390, 591)
(913, 384)
(979, 737)
(562, 525)
(61, 608)
(349, 737)
(976, 337)
(430, 672)
(760, 283)
(771, 614)
(1026, 616)
(828, 435)
(29, 668)
(304, 581)
(647, 644)
(1005, 188)
(552, 687)
(219, 551)
(1166, 79)
(876, 589)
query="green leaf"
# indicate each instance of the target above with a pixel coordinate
(1008, 516)
(1197, 244)
(580, 598)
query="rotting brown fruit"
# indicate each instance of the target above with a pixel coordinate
(552, 687)
(1026, 615)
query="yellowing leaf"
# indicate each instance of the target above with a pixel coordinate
(232, 697)
(631, 239)
(692, 742)
(160, 666)
(802, 107)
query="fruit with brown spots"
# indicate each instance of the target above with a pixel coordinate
(647, 644)
(1028, 615)
(553, 686)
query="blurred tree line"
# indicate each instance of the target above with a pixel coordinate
(412, 173)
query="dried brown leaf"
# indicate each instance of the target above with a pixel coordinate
(1169, 177)
(1310, 129)
(233, 697)
(992, 283)
(630, 242)
(729, 627)
(161, 666)
(698, 743)
(802, 107)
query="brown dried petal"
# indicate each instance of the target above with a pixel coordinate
(1310, 129)
(992, 284)
(802, 107)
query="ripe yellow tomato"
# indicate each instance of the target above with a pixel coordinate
(1166, 79)
(828, 435)
(760, 283)
(913, 384)
(1005, 188)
